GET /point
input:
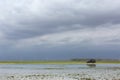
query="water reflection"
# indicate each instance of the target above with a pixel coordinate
(91, 65)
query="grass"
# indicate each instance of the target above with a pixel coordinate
(56, 62)
(40, 62)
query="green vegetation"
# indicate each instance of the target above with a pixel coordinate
(41, 62)
(61, 62)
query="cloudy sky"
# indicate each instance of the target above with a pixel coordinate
(59, 29)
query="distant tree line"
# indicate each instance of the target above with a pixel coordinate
(76, 59)
(82, 59)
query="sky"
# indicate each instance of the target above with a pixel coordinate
(59, 29)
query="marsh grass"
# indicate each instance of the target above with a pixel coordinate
(57, 62)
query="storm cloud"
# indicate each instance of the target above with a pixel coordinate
(31, 23)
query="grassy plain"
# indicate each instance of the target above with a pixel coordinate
(57, 62)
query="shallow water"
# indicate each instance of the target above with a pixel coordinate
(59, 66)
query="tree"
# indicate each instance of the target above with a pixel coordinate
(91, 61)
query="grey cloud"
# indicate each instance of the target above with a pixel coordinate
(86, 36)
(59, 29)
